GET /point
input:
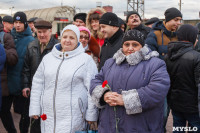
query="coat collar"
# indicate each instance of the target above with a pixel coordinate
(56, 51)
(135, 58)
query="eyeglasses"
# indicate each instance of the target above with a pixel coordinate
(85, 37)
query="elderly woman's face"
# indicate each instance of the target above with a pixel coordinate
(130, 47)
(69, 41)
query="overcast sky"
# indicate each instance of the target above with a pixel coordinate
(153, 8)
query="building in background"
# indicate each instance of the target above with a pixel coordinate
(59, 16)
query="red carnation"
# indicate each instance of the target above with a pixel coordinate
(104, 83)
(43, 117)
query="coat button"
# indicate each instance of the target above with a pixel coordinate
(66, 55)
(163, 54)
(60, 55)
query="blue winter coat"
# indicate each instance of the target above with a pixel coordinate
(22, 39)
(143, 81)
(152, 40)
(2, 61)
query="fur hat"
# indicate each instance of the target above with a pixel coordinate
(42, 24)
(187, 32)
(81, 16)
(81, 28)
(134, 35)
(20, 16)
(109, 18)
(8, 19)
(130, 13)
(171, 13)
(73, 28)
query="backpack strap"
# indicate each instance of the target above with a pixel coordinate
(1, 37)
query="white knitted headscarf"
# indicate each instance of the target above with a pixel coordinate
(72, 28)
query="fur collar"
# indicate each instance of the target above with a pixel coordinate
(133, 59)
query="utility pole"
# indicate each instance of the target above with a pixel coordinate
(180, 5)
(135, 5)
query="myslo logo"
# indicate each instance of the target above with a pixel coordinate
(185, 128)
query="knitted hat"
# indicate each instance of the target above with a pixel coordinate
(171, 13)
(42, 24)
(130, 13)
(152, 20)
(8, 19)
(81, 28)
(109, 19)
(187, 32)
(73, 28)
(20, 16)
(133, 35)
(81, 16)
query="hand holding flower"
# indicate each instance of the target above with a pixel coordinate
(113, 99)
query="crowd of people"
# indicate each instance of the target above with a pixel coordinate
(103, 73)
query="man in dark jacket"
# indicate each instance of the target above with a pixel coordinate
(134, 21)
(7, 42)
(183, 64)
(36, 50)
(164, 31)
(113, 36)
(22, 36)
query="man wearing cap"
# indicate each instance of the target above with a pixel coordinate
(79, 19)
(36, 50)
(22, 37)
(134, 21)
(163, 32)
(31, 22)
(7, 23)
(109, 26)
(7, 42)
(151, 21)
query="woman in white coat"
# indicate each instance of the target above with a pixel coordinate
(60, 87)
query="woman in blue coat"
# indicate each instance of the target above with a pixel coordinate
(2, 61)
(138, 84)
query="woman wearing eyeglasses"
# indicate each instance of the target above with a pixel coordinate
(90, 44)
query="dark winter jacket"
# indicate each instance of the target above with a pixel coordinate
(159, 38)
(110, 47)
(2, 61)
(143, 81)
(22, 39)
(144, 29)
(33, 58)
(11, 59)
(183, 64)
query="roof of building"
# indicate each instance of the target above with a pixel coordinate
(49, 14)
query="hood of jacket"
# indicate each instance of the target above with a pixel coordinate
(18, 35)
(177, 49)
(161, 26)
(56, 51)
(97, 34)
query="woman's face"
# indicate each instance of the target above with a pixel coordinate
(130, 47)
(95, 24)
(84, 38)
(69, 41)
